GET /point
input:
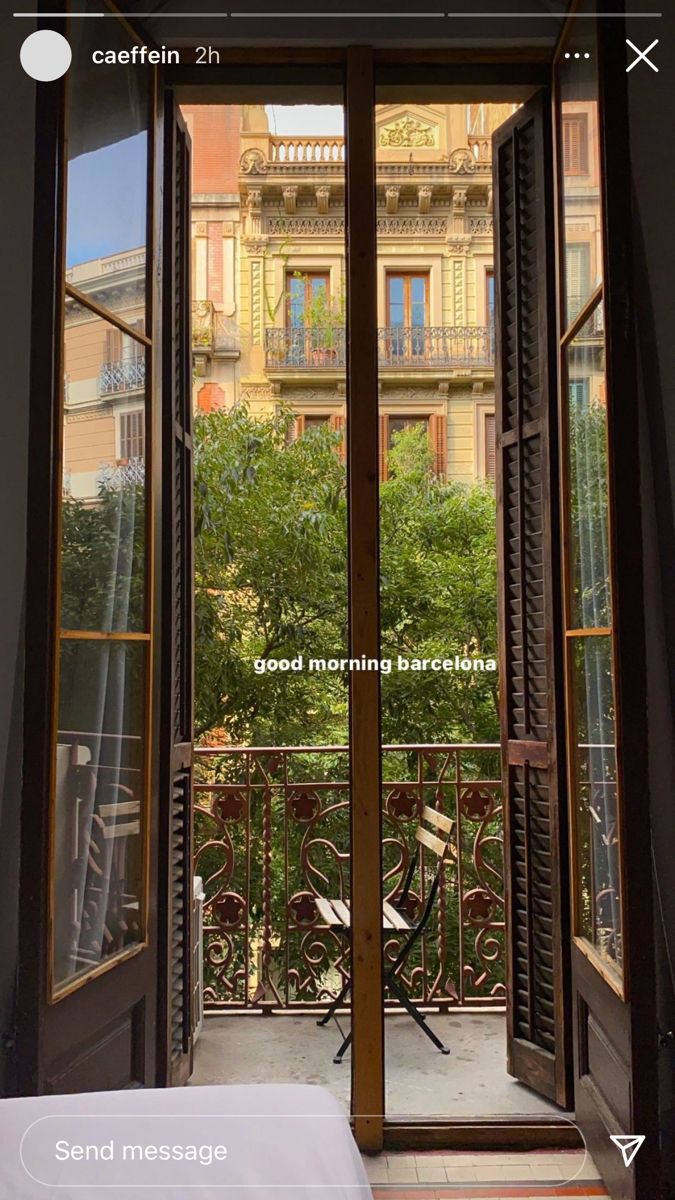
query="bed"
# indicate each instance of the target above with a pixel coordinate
(249, 1142)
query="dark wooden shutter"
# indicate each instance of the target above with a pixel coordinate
(177, 604)
(490, 447)
(529, 608)
(438, 437)
(337, 423)
(383, 447)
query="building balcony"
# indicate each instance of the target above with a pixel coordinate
(122, 375)
(418, 348)
(272, 829)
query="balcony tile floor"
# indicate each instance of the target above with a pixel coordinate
(471, 1081)
(529, 1176)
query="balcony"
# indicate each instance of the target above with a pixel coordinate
(422, 347)
(272, 829)
(122, 375)
(272, 834)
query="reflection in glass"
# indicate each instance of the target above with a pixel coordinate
(107, 145)
(597, 836)
(590, 602)
(579, 147)
(100, 748)
(103, 484)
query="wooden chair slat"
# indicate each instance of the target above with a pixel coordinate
(342, 912)
(327, 912)
(126, 808)
(438, 819)
(431, 841)
(396, 919)
(115, 831)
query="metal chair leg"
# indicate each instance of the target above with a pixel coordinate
(395, 987)
(335, 1004)
(343, 1049)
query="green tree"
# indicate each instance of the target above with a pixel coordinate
(271, 580)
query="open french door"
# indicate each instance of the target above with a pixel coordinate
(529, 606)
(612, 956)
(104, 987)
(177, 603)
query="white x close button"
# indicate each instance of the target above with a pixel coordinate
(642, 55)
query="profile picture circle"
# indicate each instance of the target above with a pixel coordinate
(45, 55)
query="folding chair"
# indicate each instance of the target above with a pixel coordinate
(337, 915)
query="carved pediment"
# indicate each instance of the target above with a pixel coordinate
(408, 132)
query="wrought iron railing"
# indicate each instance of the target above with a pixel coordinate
(594, 327)
(122, 375)
(420, 347)
(272, 834)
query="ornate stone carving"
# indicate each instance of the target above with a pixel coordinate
(407, 131)
(424, 195)
(462, 162)
(323, 199)
(335, 226)
(200, 228)
(256, 301)
(391, 196)
(253, 162)
(412, 226)
(480, 225)
(459, 199)
(290, 195)
(306, 226)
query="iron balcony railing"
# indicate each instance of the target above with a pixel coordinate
(122, 375)
(272, 834)
(595, 325)
(427, 346)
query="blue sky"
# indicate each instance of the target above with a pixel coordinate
(107, 200)
(107, 188)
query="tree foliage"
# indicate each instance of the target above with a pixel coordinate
(271, 581)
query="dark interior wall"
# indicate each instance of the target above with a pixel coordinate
(652, 179)
(16, 155)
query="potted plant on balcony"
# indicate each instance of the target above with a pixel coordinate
(324, 322)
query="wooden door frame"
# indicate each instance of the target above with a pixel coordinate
(523, 68)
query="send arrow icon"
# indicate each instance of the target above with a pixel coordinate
(628, 1143)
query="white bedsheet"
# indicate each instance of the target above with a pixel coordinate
(287, 1141)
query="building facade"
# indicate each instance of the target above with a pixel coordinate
(268, 229)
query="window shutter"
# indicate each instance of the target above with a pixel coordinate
(438, 437)
(490, 448)
(132, 434)
(176, 890)
(529, 609)
(337, 422)
(113, 345)
(575, 144)
(383, 446)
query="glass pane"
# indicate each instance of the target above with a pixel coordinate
(271, 647)
(438, 606)
(107, 145)
(588, 519)
(580, 150)
(100, 792)
(595, 801)
(103, 530)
